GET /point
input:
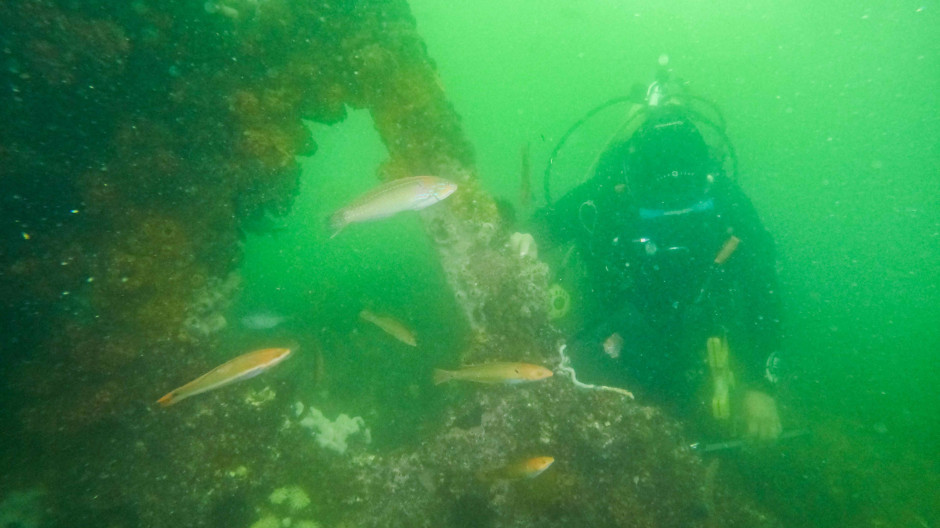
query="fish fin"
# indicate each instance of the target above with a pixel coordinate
(167, 400)
(442, 376)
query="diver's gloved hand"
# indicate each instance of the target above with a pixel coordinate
(523, 244)
(760, 415)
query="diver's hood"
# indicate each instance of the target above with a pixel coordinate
(669, 163)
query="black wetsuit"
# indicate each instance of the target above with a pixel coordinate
(655, 281)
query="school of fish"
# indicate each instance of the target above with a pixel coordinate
(404, 194)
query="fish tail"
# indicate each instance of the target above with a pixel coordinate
(442, 376)
(337, 221)
(168, 399)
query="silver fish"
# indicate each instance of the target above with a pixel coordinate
(404, 194)
(263, 320)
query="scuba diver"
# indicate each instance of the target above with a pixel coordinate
(680, 266)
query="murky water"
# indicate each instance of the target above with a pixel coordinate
(832, 110)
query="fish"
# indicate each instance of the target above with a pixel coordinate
(493, 373)
(404, 194)
(613, 345)
(241, 368)
(391, 327)
(523, 469)
(263, 320)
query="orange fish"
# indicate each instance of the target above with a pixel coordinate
(523, 469)
(508, 373)
(243, 367)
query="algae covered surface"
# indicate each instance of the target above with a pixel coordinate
(167, 170)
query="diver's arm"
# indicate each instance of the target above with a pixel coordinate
(755, 267)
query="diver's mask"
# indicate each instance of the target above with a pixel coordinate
(669, 166)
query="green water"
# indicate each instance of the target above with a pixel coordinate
(322, 282)
(834, 111)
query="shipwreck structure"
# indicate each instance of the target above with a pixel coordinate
(137, 138)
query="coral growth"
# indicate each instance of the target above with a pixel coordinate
(616, 464)
(333, 435)
(204, 312)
